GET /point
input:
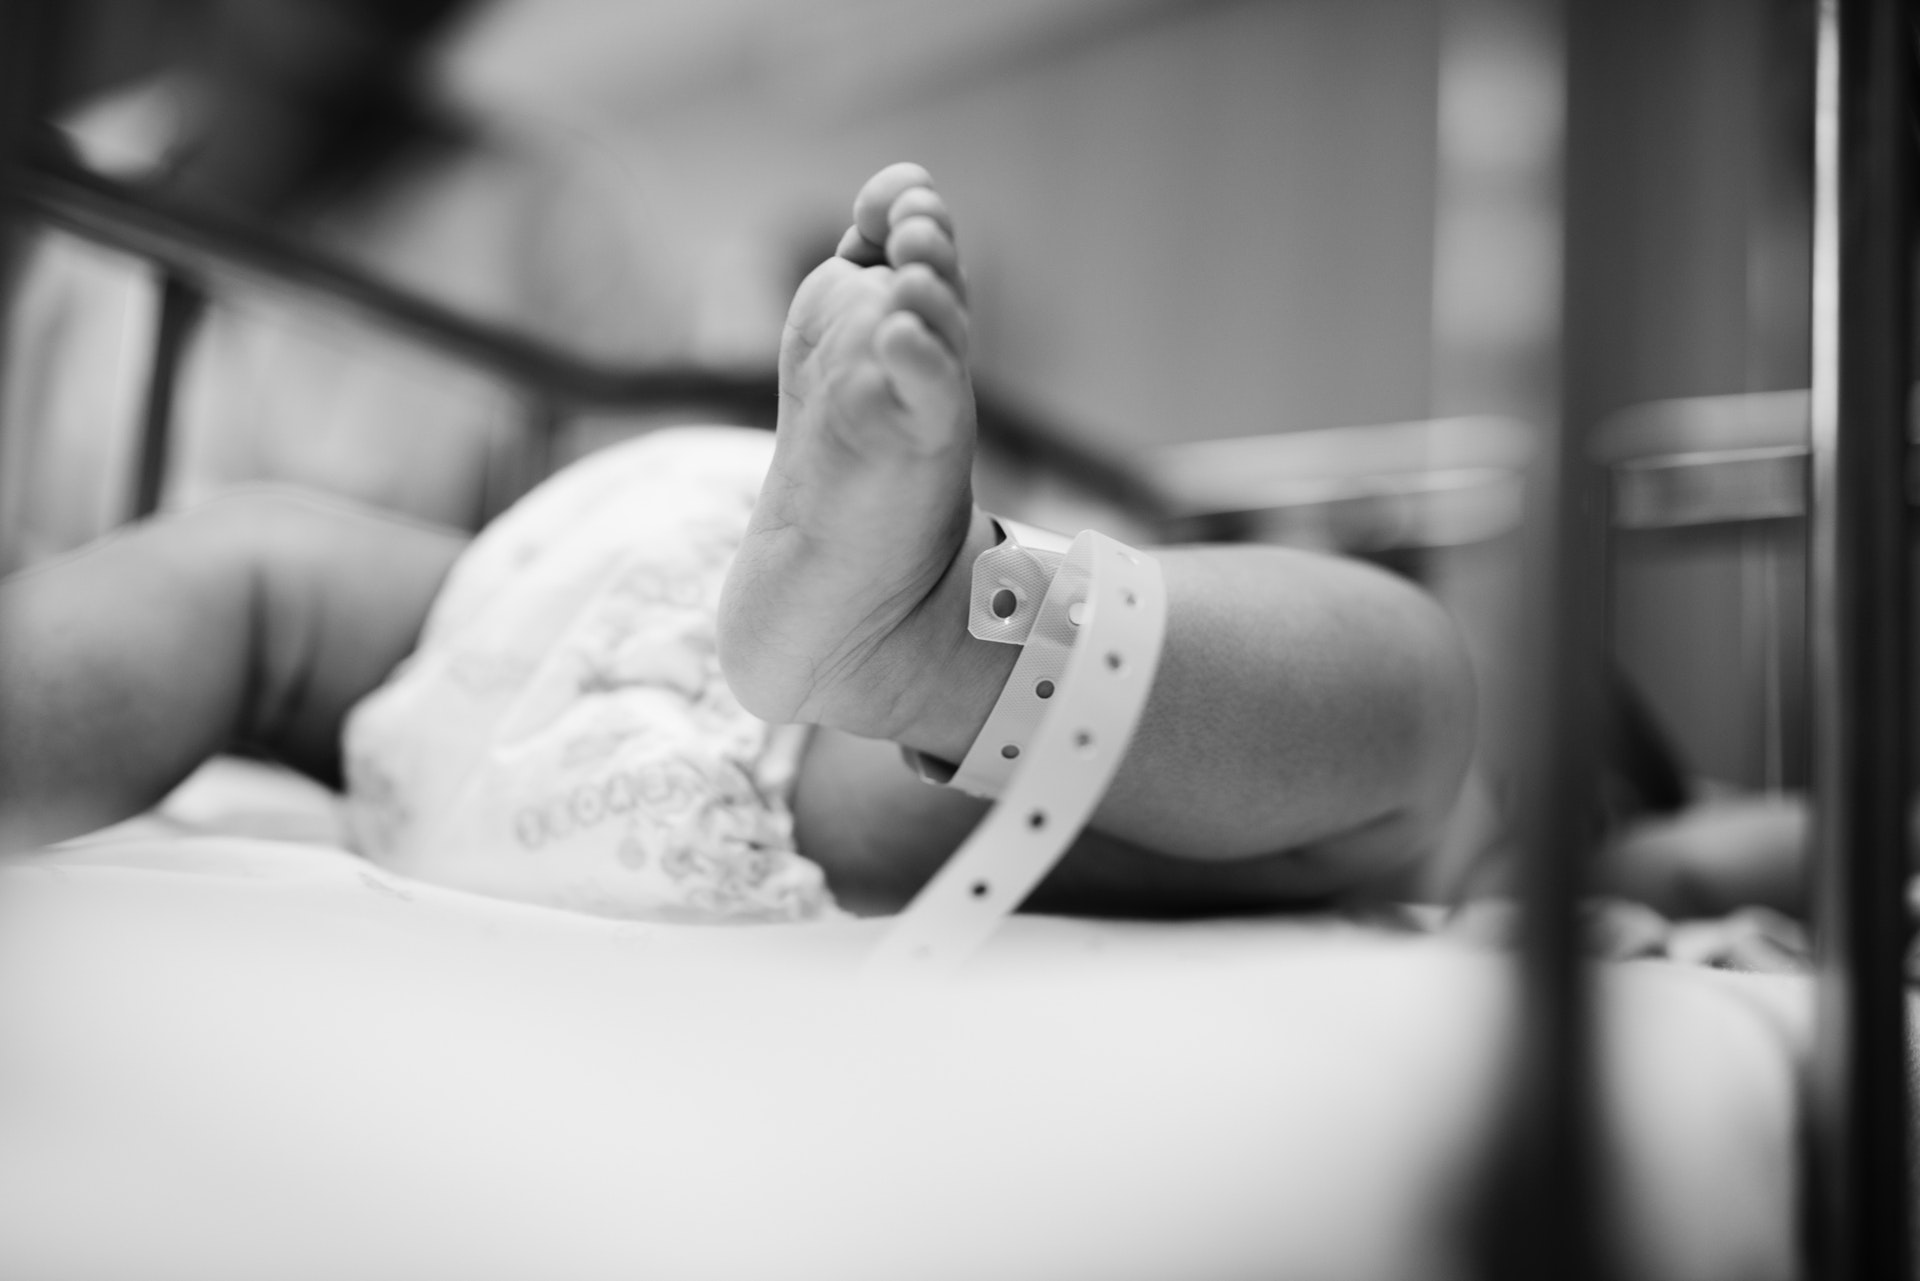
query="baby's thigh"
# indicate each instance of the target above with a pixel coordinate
(341, 594)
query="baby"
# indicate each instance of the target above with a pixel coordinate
(1306, 733)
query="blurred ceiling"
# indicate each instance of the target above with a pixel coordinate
(603, 61)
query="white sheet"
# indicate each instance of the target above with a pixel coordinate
(241, 1058)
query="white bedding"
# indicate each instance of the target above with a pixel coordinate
(235, 1057)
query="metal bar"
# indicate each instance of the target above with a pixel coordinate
(1555, 1216)
(1504, 60)
(32, 46)
(214, 250)
(1857, 1181)
(1722, 487)
(181, 305)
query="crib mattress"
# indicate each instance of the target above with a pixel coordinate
(238, 1057)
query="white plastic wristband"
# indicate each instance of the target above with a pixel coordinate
(1010, 594)
(1107, 607)
(1022, 588)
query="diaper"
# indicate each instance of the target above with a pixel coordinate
(562, 735)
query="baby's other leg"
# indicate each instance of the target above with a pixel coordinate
(258, 618)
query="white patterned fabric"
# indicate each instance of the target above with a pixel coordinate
(563, 735)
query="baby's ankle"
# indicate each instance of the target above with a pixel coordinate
(939, 682)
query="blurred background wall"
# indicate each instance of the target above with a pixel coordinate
(1184, 219)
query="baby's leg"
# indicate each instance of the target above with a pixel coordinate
(1303, 703)
(258, 619)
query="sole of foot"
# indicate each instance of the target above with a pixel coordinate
(840, 607)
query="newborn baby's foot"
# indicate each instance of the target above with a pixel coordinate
(840, 608)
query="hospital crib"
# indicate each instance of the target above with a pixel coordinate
(1851, 480)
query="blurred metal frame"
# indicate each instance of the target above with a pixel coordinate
(1858, 1174)
(28, 29)
(205, 252)
(1840, 455)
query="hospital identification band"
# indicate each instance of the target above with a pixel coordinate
(1092, 640)
(1011, 585)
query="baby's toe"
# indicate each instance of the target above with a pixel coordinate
(918, 289)
(922, 240)
(876, 198)
(860, 251)
(920, 202)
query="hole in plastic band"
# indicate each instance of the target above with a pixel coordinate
(1043, 690)
(1005, 601)
(1114, 661)
(1037, 820)
(1011, 751)
(981, 889)
(1083, 740)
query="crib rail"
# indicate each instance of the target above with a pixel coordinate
(1365, 489)
(205, 251)
(1840, 456)
(1545, 1212)
(27, 29)
(1861, 635)
(215, 251)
